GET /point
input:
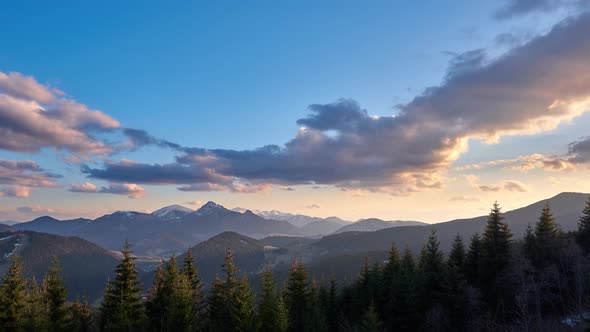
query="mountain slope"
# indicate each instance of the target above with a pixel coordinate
(85, 265)
(566, 208)
(248, 253)
(320, 227)
(374, 224)
(47, 224)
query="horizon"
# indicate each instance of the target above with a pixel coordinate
(242, 210)
(360, 112)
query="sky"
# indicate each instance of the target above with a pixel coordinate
(416, 110)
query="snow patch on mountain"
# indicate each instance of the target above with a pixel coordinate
(172, 212)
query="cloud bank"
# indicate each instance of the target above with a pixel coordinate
(531, 89)
(34, 116)
(130, 190)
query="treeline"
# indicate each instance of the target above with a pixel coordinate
(493, 283)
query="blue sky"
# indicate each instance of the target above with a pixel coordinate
(236, 76)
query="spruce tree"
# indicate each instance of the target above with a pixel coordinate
(269, 312)
(155, 305)
(219, 317)
(13, 297)
(244, 311)
(456, 298)
(371, 322)
(473, 260)
(405, 311)
(495, 255)
(583, 232)
(123, 308)
(297, 296)
(391, 267)
(190, 271)
(55, 297)
(36, 318)
(547, 234)
(224, 309)
(432, 272)
(81, 316)
(456, 259)
(314, 318)
(178, 300)
(529, 243)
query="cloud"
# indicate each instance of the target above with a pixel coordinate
(86, 187)
(138, 138)
(463, 199)
(514, 8)
(510, 185)
(35, 209)
(33, 117)
(195, 203)
(15, 191)
(26, 173)
(313, 206)
(531, 89)
(130, 190)
(515, 186)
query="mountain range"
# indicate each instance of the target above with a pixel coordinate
(89, 249)
(172, 229)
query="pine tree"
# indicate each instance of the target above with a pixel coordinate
(219, 317)
(529, 243)
(36, 318)
(179, 311)
(13, 297)
(189, 269)
(81, 316)
(473, 260)
(244, 312)
(583, 233)
(456, 298)
(405, 312)
(547, 235)
(155, 305)
(432, 271)
(391, 267)
(371, 322)
(456, 259)
(55, 296)
(269, 312)
(122, 308)
(332, 306)
(314, 318)
(297, 296)
(224, 309)
(495, 255)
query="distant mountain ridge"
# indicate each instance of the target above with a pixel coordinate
(165, 231)
(374, 224)
(298, 220)
(566, 208)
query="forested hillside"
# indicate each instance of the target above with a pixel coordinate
(489, 282)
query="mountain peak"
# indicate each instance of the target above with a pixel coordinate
(128, 214)
(210, 208)
(172, 212)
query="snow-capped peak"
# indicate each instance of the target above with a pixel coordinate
(172, 212)
(210, 208)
